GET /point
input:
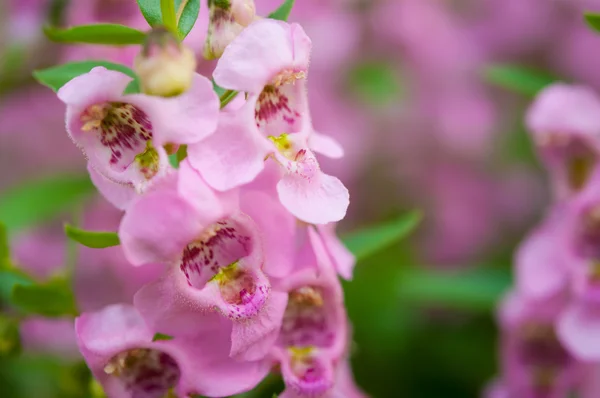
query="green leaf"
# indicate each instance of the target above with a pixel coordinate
(9, 278)
(161, 336)
(187, 16)
(218, 89)
(4, 248)
(34, 202)
(593, 20)
(93, 239)
(375, 82)
(227, 97)
(10, 340)
(283, 12)
(525, 81)
(478, 289)
(369, 241)
(105, 33)
(58, 76)
(151, 11)
(53, 299)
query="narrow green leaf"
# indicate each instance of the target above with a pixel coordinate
(475, 290)
(593, 20)
(106, 33)
(4, 248)
(151, 11)
(218, 89)
(169, 18)
(183, 21)
(369, 241)
(52, 299)
(57, 76)
(34, 202)
(9, 278)
(283, 12)
(10, 340)
(161, 336)
(518, 79)
(187, 14)
(227, 97)
(93, 239)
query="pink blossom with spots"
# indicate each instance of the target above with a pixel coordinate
(313, 339)
(269, 60)
(118, 348)
(214, 254)
(123, 136)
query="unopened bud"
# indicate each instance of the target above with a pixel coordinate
(243, 11)
(165, 66)
(227, 19)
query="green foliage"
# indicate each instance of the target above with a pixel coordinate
(57, 76)
(161, 336)
(9, 278)
(183, 20)
(4, 248)
(227, 97)
(283, 12)
(375, 82)
(51, 299)
(34, 202)
(10, 341)
(369, 241)
(593, 20)
(105, 33)
(93, 239)
(475, 290)
(518, 79)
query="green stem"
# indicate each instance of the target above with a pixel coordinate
(167, 7)
(227, 97)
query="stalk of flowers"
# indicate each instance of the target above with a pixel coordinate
(242, 223)
(550, 320)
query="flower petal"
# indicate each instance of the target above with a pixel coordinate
(319, 200)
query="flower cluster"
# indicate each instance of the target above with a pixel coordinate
(551, 320)
(242, 224)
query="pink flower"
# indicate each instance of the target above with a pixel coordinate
(565, 125)
(214, 254)
(534, 361)
(542, 260)
(313, 337)
(123, 135)
(269, 60)
(118, 348)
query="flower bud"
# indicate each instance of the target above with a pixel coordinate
(227, 18)
(165, 66)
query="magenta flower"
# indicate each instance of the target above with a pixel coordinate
(313, 335)
(542, 260)
(565, 125)
(214, 254)
(269, 60)
(534, 361)
(118, 348)
(123, 135)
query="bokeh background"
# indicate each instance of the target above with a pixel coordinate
(403, 85)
